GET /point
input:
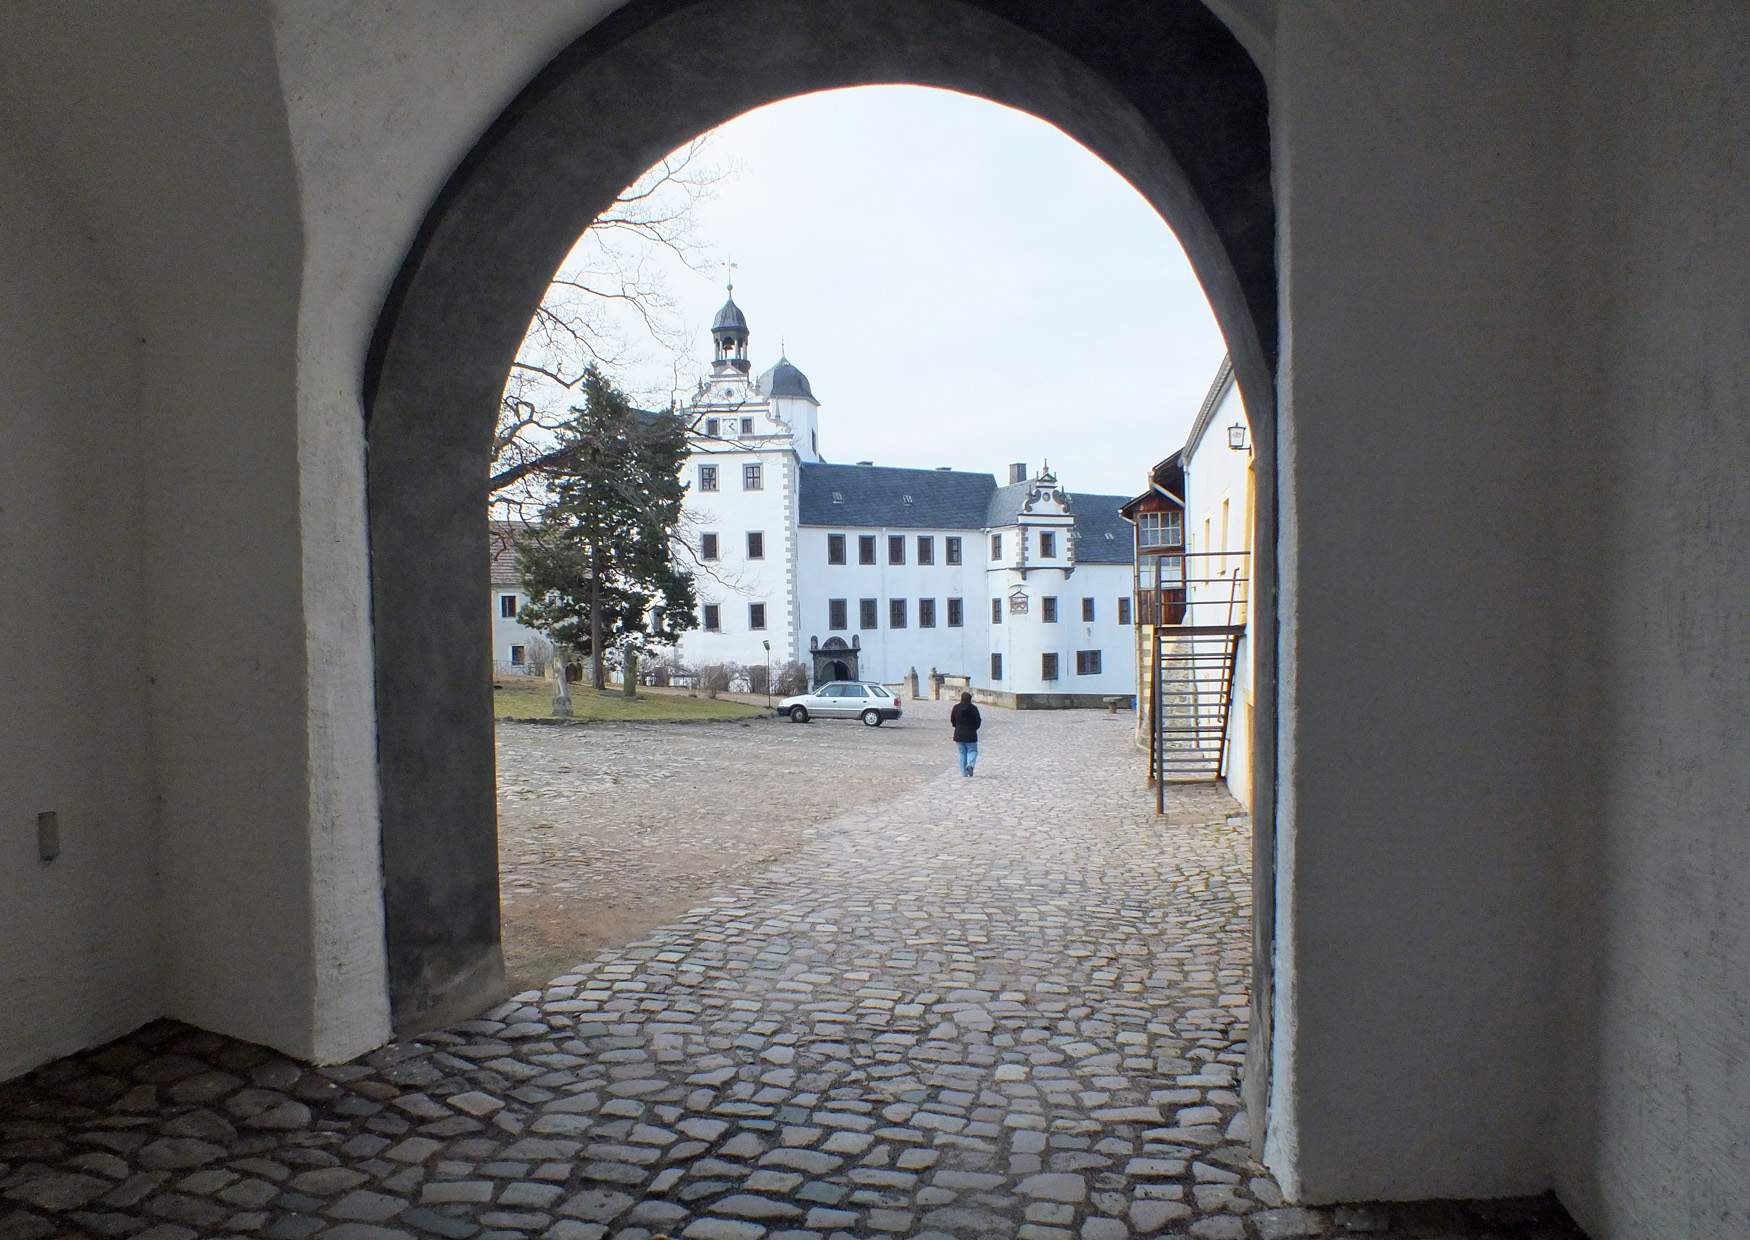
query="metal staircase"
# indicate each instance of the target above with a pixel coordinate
(1194, 673)
(1192, 668)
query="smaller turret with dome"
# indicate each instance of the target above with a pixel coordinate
(783, 379)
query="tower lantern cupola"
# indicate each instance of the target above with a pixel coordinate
(729, 337)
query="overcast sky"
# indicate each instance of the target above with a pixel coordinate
(963, 285)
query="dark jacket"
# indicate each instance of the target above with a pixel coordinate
(965, 719)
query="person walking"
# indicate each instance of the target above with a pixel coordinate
(965, 720)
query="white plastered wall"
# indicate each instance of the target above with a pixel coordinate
(161, 132)
(1413, 1026)
(80, 933)
(1652, 1134)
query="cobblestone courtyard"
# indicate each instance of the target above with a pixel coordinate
(1013, 1006)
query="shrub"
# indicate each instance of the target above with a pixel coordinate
(791, 679)
(714, 678)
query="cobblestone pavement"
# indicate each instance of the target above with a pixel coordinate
(1011, 1007)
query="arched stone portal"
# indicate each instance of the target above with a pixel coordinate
(1163, 92)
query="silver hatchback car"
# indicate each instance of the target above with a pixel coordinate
(842, 699)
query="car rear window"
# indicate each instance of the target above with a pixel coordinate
(878, 691)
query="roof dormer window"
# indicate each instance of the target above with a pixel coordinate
(838, 497)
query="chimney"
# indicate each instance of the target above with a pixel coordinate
(1018, 472)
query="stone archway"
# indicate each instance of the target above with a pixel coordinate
(1164, 93)
(834, 659)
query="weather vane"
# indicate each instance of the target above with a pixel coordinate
(730, 268)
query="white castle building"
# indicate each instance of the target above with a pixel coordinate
(867, 572)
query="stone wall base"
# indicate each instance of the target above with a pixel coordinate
(1051, 701)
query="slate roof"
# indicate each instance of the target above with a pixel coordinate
(783, 379)
(874, 495)
(730, 317)
(1097, 516)
(1005, 504)
(949, 499)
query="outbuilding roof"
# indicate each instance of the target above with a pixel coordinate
(502, 541)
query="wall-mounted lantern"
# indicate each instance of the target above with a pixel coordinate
(1236, 437)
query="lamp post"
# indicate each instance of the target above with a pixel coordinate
(768, 646)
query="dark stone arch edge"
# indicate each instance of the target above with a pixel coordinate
(1162, 91)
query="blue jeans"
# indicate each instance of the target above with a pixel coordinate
(968, 756)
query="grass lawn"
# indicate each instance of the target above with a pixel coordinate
(519, 697)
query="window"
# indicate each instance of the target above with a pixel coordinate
(956, 613)
(1161, 529)
(868, 616)
(1087, 663)
(1048, 609)
(756, 545)
(707, 477)
(707, 546)
(926, 549)
(756, 615)
(926, 613)
(835, 614)
(951, 551)
(713, 618)
(996, 667)
(1047, 544)
(838, 497)
(877, 691)
(1124, 610)
(996, 611)
(896, 613)
(835, 548)
(507, 606)
(896, 548)
(711, 427)
(752, 477)
(747, 426)
(1088, 610)
(519, 655)
(996, 546)
(1048, 667)
(865, 548)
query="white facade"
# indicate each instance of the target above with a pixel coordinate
(895, 564)
(516, 648)
(1218, 538)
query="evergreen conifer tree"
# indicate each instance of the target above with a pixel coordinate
(600, 565)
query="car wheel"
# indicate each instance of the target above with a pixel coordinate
(872, 718)
(799, 714)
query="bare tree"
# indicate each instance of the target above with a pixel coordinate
(606, 309)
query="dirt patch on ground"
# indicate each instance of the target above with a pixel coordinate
(609, 831)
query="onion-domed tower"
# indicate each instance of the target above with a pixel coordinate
(729, 335)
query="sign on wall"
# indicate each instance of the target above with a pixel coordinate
(1018, 603)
